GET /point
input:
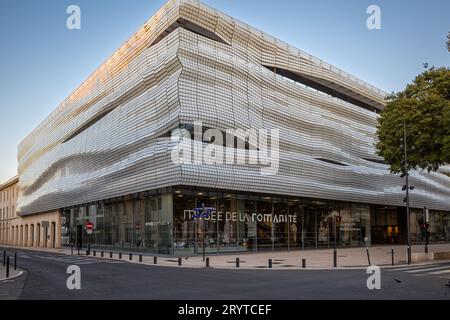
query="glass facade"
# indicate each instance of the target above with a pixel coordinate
(142, 222)
(185, 221)
(224, 222)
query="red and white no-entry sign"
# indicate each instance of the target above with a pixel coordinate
(89, 227)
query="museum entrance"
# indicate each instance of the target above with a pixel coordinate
(388, 225)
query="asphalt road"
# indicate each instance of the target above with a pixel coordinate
(45, 278)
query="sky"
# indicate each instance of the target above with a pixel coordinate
(42, 62)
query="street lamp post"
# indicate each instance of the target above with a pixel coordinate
(407, 188)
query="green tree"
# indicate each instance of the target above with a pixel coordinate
(425, 108)
(448, 42)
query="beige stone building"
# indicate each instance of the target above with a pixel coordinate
(37, 230)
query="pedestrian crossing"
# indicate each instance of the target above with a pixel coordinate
(71, 260)
(440, 270)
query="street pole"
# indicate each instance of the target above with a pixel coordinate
(408, 236)
(89, 245)
(204, 229)
(204, 242)
(334, 251)
(426, 228)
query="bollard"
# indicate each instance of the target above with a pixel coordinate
(207, 262)
(140, 258)
(78, 251)
(392, 254)
(4, 257)
(179, 261)
(102, 254)
(7, 267)
(155, 260)
(270, 263)
(94, 253)
(368, 256)
(303, 263)
(110, 255)
(87, 252)
(408, 252)
(131, 256)
(71, 250)
(15, 261)
(237, 263)
(120, 255)
(335, 258)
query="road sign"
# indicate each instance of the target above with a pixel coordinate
(89, 228)
(89, 225)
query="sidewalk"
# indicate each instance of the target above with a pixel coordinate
(12, 273)
(315, 259)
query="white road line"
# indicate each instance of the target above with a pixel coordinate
(440, 272)
(427, 269)
(410, 268)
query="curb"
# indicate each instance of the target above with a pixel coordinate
(11, 278)
(262, 268)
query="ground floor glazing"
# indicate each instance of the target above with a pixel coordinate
(184, 221)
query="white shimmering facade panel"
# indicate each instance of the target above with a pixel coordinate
(191, 63)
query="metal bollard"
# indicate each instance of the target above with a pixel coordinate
(110, 255)
(179, 261)
(102, 254)
(4, 257)
(392, 254)
(7, 267)
(131, 256)
(335, 258)
(368, 256)
(15, 261)
(94, 253)
(303, 263)
(140, 258)
(155, 260)
(409, 255)
(78, 251)
(270, 263)
(71, 250)
(207, 262)
(237, 263)
(120, 255)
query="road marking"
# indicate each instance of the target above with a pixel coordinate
(77, 260)
(440, 272)
(410, 268)
(427, 269)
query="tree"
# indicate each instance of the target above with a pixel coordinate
(448, 42)
(425, 108)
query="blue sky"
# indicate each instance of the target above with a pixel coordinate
(41, 61)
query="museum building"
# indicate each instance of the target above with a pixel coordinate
(106, 154)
